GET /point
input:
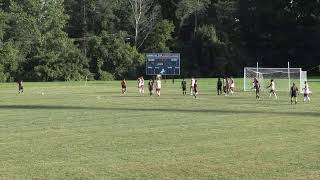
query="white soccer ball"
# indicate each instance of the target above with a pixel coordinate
(42, 93)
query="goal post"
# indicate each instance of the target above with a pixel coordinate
(303, 78)
(283, 77)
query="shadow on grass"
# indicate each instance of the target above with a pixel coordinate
(165, 110)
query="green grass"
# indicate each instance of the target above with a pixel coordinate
(93, 132)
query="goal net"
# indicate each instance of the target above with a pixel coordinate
(283, 77)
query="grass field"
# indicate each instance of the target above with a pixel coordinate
(93, 132)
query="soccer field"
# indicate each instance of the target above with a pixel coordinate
(68, 131)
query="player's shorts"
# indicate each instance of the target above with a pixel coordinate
(150, 89)
(272, 91)
(184, 88)
(124, 87)
(305, 95)
(294, 95)
(158, 89)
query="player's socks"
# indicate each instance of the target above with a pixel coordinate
(306, 99)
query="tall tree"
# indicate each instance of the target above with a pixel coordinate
(3, 24)
(144, 17)
(110, 53)
(160, 40)
(37, 30)
(189, 8)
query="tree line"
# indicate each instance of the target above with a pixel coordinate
(62, 40)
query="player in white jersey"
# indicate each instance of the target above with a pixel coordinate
(193, 81)
(224, 84)
(272, 87)
(228, 88)
(195, 89)
(306, 92)
(141, 85)
(232, 85)
(158, 87)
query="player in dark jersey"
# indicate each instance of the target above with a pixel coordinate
(20, 87)
(219, 86)
(294, 93)
(184, 87)
(195, 89)
(256, 86)
(124, 86)
(150, 86)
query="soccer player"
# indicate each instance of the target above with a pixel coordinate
(306, 92)
(294, 93)
(192, 86)
(224, 82)
(232, 85)
(195, 89)
(124, 86)
(256, 86)
(138, 81)
(273, 89)
(141, 85)
(228, 84)
(219, 86)
(158, 87)
(20, 87)
(184, 87)
(150, 86)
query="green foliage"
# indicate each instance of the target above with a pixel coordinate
(3, 25)
(189, 8)
(9, 60)
(208, 48)
(208, 35)
(105, 76)
(36, 30)
(213, 37)
(111, 53)
(161, 39)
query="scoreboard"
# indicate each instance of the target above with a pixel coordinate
(163, 63)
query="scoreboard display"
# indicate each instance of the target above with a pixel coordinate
(163, 63)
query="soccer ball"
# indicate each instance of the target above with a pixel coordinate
(159, 76)
(42, 93)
